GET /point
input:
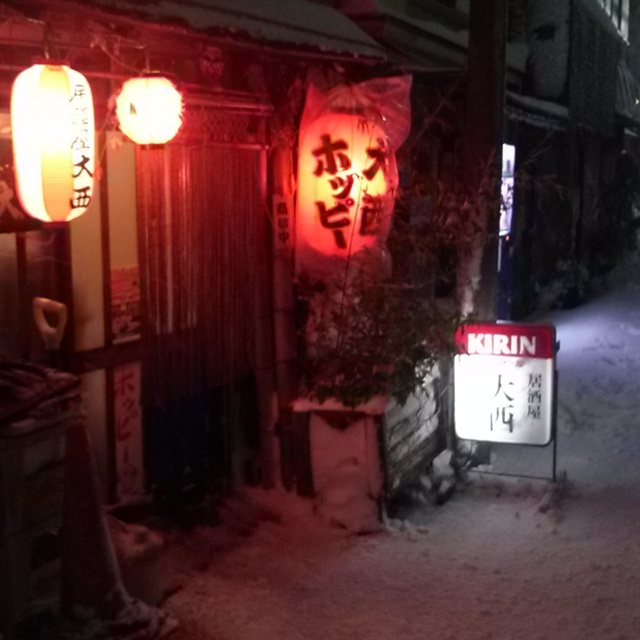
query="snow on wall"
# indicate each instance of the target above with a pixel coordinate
(412, 437)
(347, 474)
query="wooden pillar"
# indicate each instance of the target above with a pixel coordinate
(293, 430)
(285, 328)
(483, 126)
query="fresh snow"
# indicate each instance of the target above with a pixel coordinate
(506, 558)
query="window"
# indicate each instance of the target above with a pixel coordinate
(618, 11)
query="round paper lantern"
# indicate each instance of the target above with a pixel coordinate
(346, 185)
(149, 109)
(52, 128)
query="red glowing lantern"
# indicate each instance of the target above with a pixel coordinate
(347, 175)
(346, 185)
(149, 109)
(52, 128)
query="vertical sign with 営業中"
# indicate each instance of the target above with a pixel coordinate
(283, 225)
(504, 377)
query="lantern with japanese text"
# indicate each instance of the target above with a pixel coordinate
(52, 127)
(149, 109)
(347, 176)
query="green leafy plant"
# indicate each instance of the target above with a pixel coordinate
(372, 338)
(366, 336)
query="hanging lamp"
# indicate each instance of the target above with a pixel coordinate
(52, 128)
(345, 194)
(149, 109)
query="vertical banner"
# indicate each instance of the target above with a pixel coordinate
(283, 225)
(504, 376)
(128, 431)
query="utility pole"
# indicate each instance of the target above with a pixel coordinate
(483, 130)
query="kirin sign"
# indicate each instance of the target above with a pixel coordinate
(504, 376)
(347, 174)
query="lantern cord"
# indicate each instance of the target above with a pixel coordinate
(99, 42)
(347, 267)
(46, 45)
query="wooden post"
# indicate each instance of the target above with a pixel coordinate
(284, 323)
(483, 124)
(24, 301)
(265, 374)
(292, 431)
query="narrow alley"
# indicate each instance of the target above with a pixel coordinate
(504, 559)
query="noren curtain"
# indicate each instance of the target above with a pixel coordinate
(198, 209)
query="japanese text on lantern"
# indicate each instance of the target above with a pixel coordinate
(81, 147)
(353, 188)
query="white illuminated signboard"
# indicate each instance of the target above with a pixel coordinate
(504, 376)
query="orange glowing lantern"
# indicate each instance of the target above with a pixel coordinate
(346, 185)
(52, 127)
(149, 109)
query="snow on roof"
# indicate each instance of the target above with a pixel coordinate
(288, 22)
(435, 28)
(536, 112)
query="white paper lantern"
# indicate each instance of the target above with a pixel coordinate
(52, 127)
(149, 109)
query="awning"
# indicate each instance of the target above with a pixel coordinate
(627, 95)
(286, 23)
(436, 41)
(537, 113)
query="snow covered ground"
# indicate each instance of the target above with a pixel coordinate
(504, 559)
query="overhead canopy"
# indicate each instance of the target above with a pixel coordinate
(434, 39)
(297, 23)
(535, 112)
(627, 95)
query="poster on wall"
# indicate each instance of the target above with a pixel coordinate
(504, 377)
(125, 304)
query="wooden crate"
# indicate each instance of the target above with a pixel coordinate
(31, 507)
(29, 584)
(31, 474)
